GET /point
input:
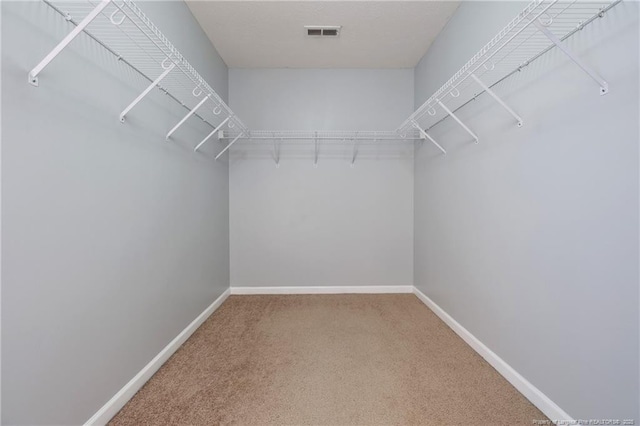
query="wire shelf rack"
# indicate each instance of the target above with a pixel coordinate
(542, 25)
(352, 145)
(122, 28)
(337, 136)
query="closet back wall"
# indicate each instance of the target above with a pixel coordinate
(113, 240)
(333, 225)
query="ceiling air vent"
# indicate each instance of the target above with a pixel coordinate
(322, 30)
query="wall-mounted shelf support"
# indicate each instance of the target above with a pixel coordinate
(538, 28)
(315, 150)
(604, 86)
(33, 74)
(427, 136)
(186, 117)
(126, 32)
(276, 152)
(464, 126)
(228, 146)
(354, 153)
(497, 99)
(153, 84)
(213, 132)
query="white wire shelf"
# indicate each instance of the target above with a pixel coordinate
(300, 144)
(542, 25)
(338, 136)
(123, 29)
(353, 144)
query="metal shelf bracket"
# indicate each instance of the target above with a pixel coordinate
(228, 146)
(276, 152)
(186, 117)
(604, 86)
(354, 153)
(33, 74)
(427, 136)
(213, 132)
(497, 99)
(316, 150)
(146, 91)
(464, 126)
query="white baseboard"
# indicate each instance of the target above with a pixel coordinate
(111, 408)
(374, 289)
(533, 394)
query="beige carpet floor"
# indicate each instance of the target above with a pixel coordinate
(326, 360)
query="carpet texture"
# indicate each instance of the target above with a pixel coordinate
(326, 360)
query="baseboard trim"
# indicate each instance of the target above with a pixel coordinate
(111, 408)
(532, 393)
(374, 289)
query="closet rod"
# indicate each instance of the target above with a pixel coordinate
(122, 59)
(345, 139)
(151, 32)
(580, 25)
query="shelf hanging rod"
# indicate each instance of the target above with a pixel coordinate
(426, 135)
(537, 56)
(33, 74)
(228, 146)
(498, 100)
(120, 58)
(213, 132)
(464, 126)
(186, 117)
(172, 51)
(604, 86)
(320, 137)
(146, 91)
(449, 84)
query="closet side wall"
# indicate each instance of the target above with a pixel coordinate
(333, 225)
(530, 238)
(113, 240)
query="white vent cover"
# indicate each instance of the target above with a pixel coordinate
(322, 30)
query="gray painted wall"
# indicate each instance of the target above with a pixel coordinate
(113, 240)
(530, 239)
(297, 225)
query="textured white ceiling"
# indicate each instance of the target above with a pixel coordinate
(270, 34)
